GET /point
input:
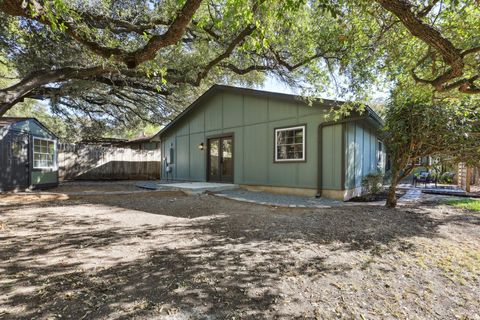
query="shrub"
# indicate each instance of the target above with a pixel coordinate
(446, 178)
(372, 183)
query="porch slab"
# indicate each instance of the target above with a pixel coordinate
(188, 187)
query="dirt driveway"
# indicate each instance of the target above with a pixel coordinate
(164, 255)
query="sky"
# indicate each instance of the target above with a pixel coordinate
(274, 85)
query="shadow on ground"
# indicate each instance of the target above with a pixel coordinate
(83, 259)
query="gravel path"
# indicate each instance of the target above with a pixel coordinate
(279, 200)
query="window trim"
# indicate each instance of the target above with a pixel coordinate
(54, 166)
(302, 126)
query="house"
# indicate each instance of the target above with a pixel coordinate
(151, 142)
(272, 142)
(28, 155)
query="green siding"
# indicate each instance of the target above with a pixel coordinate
(39, 178)
(183, 157)
(252, 120)
(332, 157)
(213, 114)
(33, 128)
(197, 158)
(255, 155)
(360, 153)
(232, 110)
(255, 110)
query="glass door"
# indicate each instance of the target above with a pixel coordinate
(226, 161)
(213, 159)
(220, 159)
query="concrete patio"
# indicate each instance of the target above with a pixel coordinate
(187, 187)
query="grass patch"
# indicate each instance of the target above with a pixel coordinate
(468, 204)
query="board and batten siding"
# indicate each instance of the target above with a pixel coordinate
(252, 120)
(360, 154)
(332, 157)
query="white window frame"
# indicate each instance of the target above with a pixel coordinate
(303, 143)
(54, 166)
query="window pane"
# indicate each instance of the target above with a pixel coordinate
(43, 153)
(289, 144)
(51, 148)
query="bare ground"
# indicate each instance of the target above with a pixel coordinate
(163, 255)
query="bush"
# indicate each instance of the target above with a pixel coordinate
(372, 183)
(446, 178)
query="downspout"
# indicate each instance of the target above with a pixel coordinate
(322, 125)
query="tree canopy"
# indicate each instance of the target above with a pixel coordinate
(418, 126)
(120, 62)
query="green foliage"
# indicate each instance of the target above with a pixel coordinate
(342, 48)
(469, 204)
(372, 183)
(446, 178)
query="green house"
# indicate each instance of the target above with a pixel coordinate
(28, 155)
(271, 142)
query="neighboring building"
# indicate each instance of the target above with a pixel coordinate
(273, 142)
(104, 142)
(144, 143)
(141, 143)
(28, 155)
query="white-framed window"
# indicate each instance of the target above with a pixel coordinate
(44, 153)
(290, 144)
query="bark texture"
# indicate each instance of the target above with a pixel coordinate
(451, 55)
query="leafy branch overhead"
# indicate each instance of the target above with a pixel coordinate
(461, 65)
(125, 61)
(103, 48)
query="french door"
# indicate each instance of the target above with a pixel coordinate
(220, 159)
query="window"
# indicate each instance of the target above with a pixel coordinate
(290, 144)
(43, 154)
(380, 155)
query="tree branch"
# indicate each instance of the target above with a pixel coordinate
(131, 59)
(17, 92)
(402, 9)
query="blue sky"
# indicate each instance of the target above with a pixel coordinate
(274, 85)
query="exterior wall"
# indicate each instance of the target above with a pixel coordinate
(332, 157)
(361, 154)
(38, 177)
(42, 177)
(252, 120)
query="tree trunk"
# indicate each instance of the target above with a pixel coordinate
(478, 177)
(391, 195)
(468, 179)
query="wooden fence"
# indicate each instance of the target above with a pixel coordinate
(92, 162)
(467, 176)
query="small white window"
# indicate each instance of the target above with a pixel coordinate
(290, 144)
(44, 152)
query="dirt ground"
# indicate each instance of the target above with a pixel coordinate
(164, 255)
